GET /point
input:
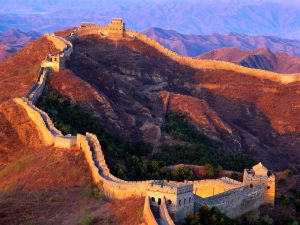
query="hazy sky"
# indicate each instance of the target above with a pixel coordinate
(268, 17)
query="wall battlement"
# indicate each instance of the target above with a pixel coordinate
(174, 199)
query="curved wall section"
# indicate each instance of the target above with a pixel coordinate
(174, 199)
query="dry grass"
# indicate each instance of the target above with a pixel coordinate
(17, 166)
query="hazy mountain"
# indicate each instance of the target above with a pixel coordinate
(258, 17)
(194, 45)
(14, 39)
(261, 58)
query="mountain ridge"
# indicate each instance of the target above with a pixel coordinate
(13, 40)
(194, 45)
(261, 58)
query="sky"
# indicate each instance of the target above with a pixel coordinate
(256, 17)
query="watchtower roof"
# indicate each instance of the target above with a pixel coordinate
(117, 19)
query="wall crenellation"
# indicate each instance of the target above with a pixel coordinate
(173, 199)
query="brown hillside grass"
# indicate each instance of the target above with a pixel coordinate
(19, 72)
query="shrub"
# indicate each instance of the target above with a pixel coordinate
(209, 171)
(93, 192)
(181, 174)
(288, 173)
(208, 216)
(236, 176)
(87, 220)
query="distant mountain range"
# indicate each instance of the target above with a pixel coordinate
(253, 17)
(262, 52)
(13, 40)
(261, 58)
(194, 45)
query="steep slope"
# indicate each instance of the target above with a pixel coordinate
(130, 87)
(261, 59)
(38, 184)
(194, 45)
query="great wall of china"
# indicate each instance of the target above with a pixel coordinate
(170, 201)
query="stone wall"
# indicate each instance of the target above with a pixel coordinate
(177, 198)
(47, 131)
(147, 213)
(214, 64)
(236, 202)
(164, 213)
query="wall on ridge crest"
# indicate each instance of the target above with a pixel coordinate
(58, 43)
(214, 64)
(35, 116)
(238, 200)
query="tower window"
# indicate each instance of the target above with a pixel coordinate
(159, 201)
(268, 187)
(153, 199)
(169, 202)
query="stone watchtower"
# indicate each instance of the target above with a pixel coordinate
(178, 197)
(55, 61)
(260, 175)
(116, 28)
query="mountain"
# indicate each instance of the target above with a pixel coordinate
(260, 59)
(39, 182)
(130, 99)
(194, 45)
(258, 17)
(131, 95)
(13, 40)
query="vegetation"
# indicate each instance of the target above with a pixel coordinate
(208, 216)
(288, 173)
(127, 159)
(87, 220)
(93, 192)
(197, 148)
(17, 165)
(70, 118)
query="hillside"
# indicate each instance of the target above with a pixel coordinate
(13, 40)
(134, 96)
(194, 45)
(144, 107)
(45, 185)
(260, 59)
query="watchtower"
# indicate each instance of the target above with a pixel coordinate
(55, 61)
(260, 175)
(116, 28)
(179, 197)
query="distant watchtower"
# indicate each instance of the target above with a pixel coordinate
(116, 28)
